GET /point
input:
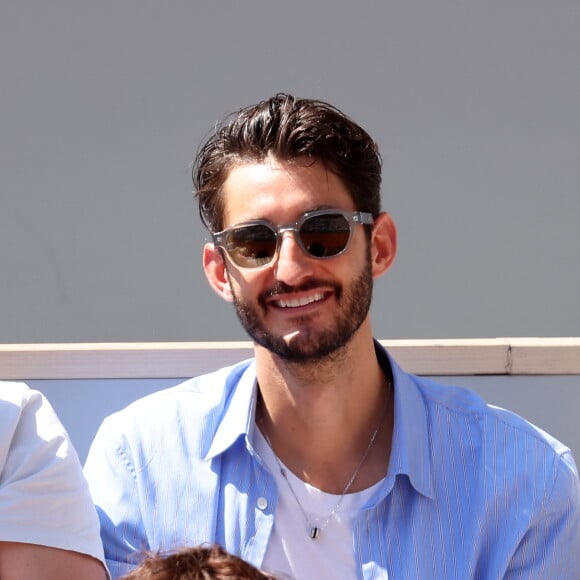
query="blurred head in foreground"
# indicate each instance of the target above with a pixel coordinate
(199, 563)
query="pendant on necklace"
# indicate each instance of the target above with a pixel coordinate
(314, 532)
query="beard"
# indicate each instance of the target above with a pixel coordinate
(313, 343)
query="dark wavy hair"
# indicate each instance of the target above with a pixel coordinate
(196, 563)
(287, 128)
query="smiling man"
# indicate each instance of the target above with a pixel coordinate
(320, 457)
(310, 308)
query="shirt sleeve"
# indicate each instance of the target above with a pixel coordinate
(113, 485)
(44, 497)
(551, 547)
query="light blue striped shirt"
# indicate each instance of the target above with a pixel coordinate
(472, 491)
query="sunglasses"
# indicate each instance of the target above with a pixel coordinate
(321, 234)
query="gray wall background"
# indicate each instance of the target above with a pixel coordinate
(103, 104)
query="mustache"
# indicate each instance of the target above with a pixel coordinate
(283, 288)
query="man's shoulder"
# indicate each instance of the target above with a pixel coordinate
(173, 425)
(470, 411)
(195, 397)
(14, 396)
(19, 407)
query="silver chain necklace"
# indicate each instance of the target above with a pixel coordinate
(315, 529)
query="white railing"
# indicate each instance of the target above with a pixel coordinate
(498, 356)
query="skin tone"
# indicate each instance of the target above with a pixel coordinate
(318, 413)
(33, 562)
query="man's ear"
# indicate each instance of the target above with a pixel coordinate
(383, 244)
(214, 267)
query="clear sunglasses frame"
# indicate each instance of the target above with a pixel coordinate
(223, 239)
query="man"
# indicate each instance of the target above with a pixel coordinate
(48, 526)
(320, 457)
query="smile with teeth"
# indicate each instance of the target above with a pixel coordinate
(299, 301)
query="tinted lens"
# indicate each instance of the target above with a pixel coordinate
(251, 246)
(324, 236)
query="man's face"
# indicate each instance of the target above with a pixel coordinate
(299, 308)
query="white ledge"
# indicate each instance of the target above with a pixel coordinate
(497, 356)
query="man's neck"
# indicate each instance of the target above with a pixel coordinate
(320, 418)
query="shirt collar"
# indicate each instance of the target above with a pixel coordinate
(237, 419)
(410, 448)
(410, 451)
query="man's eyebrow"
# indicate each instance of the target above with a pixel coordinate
(323, 206)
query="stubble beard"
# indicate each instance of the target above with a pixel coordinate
(313, 344)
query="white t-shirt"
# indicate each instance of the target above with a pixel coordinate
(292, 553)
(44, 498)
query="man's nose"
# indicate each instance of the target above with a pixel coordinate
(293, 264)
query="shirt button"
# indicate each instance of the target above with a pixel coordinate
(262, 503)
